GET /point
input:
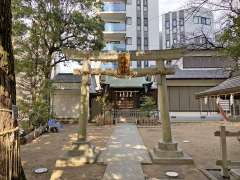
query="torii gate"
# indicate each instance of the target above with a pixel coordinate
(166, 148)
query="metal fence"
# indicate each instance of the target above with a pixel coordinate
(141, 118)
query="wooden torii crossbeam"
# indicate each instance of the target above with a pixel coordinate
(161, 71)
(156, 55)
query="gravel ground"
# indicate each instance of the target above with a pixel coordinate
(46, 150)
(204, 147)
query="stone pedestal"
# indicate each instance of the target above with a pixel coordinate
(82, 152)
(235, 174)
(169, 153)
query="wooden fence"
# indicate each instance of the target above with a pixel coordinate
(10, 154)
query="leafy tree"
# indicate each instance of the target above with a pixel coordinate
(42, 28)
(231, 39)
(7, 95)
(148, 104)
(58, 24)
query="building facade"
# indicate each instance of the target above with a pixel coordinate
(130, 25)
(187, 27)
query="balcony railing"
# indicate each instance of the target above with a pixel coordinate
(115, 27)
(114, 7)
(114, 47)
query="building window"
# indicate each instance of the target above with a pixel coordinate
(174, 41)
(167, 24)
(145, 41)
(145, 2)
(139, 64)
(203, 20)
(145, 33)
(139, 29)
(167, 31)
(145, 28)
(174, 30)
(139, 2)
(167, 44)
(145, 63)
(196, 19)
(145, 8)
(181, 22)
(129, 1)
(139, 41)
(138, 21)
(129, 20)
(174, 22)
(129, 40)
(181, 28)
(208, 21)
(145, 21)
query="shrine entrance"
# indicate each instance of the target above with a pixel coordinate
(166, 151)
(126, 99)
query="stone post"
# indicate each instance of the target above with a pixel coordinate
(163, 105)
(166, 151)
(84, 103)
(82, 151)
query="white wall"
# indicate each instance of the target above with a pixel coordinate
(153, 24)
(192, 29)
(131, 29)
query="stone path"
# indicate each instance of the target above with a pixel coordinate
(124, 154)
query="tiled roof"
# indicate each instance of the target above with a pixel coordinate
(231, 85)
(199, 74)
(66, 78)
(71, 78)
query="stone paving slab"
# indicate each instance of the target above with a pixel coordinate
(124, 170)
(124, 154)
(125, 144)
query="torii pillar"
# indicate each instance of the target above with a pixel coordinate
(83, 151)
(166, 151)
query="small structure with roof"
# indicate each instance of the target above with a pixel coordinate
(66, 97)
(227, 96)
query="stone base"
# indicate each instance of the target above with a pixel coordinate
(81, 153)
(235, 174)
(169, 153)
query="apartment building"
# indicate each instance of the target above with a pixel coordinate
(131, 25)
(187, 27)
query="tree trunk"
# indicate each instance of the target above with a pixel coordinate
(9, 147)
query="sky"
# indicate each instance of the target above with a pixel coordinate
(171, 5)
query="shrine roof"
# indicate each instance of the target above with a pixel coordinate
(230, 86)
(136, 82)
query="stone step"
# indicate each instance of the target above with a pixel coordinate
(172, 153)
(235, 174)
(185, 159)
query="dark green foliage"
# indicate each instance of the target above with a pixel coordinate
(148, 104)
(231, 38)
(42, 28)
